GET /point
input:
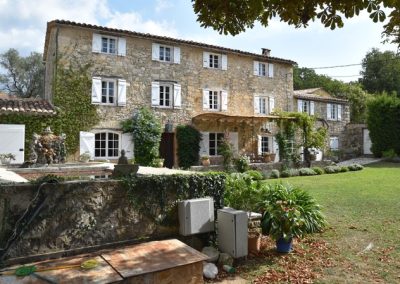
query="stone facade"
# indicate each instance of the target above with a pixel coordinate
(67, 41)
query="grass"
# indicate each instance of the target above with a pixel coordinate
(363, 211)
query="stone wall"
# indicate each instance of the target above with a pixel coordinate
(353, 141)
(74, 215)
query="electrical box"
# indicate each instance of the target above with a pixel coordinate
(233, 232)
(196, 216)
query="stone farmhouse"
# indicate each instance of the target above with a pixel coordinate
(221, 91)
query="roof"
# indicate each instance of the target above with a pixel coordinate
(26, 106)
(55, 23)
(317, 94)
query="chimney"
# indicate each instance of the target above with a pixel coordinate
(265, 51)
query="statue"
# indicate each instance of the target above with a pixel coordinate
(123, 160)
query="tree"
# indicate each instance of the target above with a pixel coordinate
(24, 76)
(235, 16)
(380, 71)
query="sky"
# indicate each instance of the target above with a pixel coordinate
(23, 27)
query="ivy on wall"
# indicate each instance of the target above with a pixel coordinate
(188, 139)
(71, 97)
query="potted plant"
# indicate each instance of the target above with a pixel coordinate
(6, 159)
(205, 160)
(267, 157)
(85, 157)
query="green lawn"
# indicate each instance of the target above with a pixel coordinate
(363, 209)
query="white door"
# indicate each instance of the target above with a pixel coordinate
(12, 140)
(367, 144)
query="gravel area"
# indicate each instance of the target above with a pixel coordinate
(360, 160)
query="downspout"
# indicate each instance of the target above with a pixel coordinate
(55, 66)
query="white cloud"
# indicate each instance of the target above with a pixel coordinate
(162, 5)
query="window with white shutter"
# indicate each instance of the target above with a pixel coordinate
(108, 44)
(334, 143)
(177, 96)
(215, 61)
(177, 55)
(121, 46)
(224, 100)
(96, 90)
(121, 92)
(166, 95)
(270, 70)
(334, 112)
(215, 100)
(264, 104)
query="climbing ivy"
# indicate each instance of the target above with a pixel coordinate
(188, 139)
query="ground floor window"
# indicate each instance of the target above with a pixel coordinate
(214, 142)
(106, 145)
(334, 143)
(265, 145)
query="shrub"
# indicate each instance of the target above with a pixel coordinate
(225, 149)
(307, 172)
(242, 164)
(344, 169)
(255, 175)
(332, 169)
(274, 174)
(389, 154)
(290, 173)
(355, 167)
(318, 170)
(188, 139)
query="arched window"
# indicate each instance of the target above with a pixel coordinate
(106, 145)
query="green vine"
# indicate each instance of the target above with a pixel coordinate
(188, 139)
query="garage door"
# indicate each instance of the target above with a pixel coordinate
(366, 142)
(12, 139)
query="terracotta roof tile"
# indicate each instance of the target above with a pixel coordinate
(309, 94)
(26, 106)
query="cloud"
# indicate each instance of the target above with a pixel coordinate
(162, 5)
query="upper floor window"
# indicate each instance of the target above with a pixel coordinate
(108, 91)
(305, 106)
(334, 112)
(215, 60)
(109, 44)
(263, 104)
(263, 69)
(165, 94)
(165, 53)
(215, 100)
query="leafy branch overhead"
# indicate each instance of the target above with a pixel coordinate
(235, 16)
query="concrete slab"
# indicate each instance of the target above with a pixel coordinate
(7, 176)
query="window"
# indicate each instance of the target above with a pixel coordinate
(213, 97)
(165, 95)
(334, 110)
(263, 104)
(334, 143)
(305, 106)
(165, 53)
(107, 92)
(265, 147)
(262, 69)
(106, 145)
(214, 61)
(108, 45)
(214, 142)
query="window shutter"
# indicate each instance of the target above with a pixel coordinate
(234, 139)
(311, 108)
(256, 66)
(271, 105)
(206, 59)
(256, 104)
(206, 103)
(127, 145)
(275, 149)
(204, 143)
(96, 90)
(96, 43)
(299, 106)
(259, 139)
(86, 143)
(155, 52)
(122, 46)
(328, 111)
(224, 61)
(339, 112)
(155, 93)
(224, 100)
(177, 55)
(270, 70)
(177, 96)
(121, 92)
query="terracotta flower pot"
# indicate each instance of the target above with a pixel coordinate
(205, 162)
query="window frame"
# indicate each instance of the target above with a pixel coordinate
(265, 140)
(333, 138)
(211, 60)
(266, 99)
(171, 53)
(107, 147)
(214, 143)
(214, 95)
(305, 107)
(334, 112)
(262, 66)
(108, 38)
(115, 89)
(171, 95)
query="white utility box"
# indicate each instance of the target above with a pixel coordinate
(196, 216)
(232, 232)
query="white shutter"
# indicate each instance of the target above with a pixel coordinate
(122, 46)
(256, 66)
(86, 143)
(177, 55)
(206, 98)
(224, 100)
(206, 59)
(224, 61)
(127, 144)
(96, 90)
(270, 70)
(96, 43)
(275, 149)
(155, 93)
(259, 140)
(299, 106)
(177, 96)
(256, 104)
(312, 108)
(234, 139)
(204, 143)
(339, 112)
(155, 51)
(271, 104)
(121, 92)
(329, 111)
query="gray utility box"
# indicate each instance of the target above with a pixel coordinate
(196, 216)
(232, 232)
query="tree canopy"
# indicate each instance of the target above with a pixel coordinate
(235, 16)
(23, 76)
